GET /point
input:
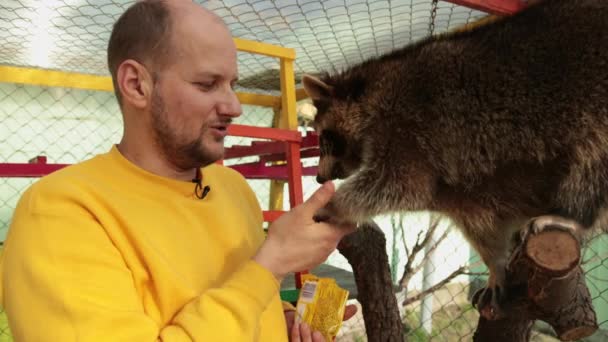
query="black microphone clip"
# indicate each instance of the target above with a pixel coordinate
(199, 191)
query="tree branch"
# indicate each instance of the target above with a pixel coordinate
(365, 250)
(408, 270)
(435, 287)
(412, 271)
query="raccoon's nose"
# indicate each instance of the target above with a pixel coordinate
(320, 179)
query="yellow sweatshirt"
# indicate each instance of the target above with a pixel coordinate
(105, 251)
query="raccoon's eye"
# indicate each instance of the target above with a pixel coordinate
(332, 143)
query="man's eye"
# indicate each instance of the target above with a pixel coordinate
(206, 86)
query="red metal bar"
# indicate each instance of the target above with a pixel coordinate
(498, 7)
(294, 172)
(26, 170)
(309, 153)
(258, 148)
(258, 170)
(255, 149)
(310, 140)
(265, 133)
(272, 215)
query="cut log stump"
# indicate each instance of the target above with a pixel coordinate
(545, 281)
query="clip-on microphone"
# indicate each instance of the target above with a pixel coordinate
(200, 191)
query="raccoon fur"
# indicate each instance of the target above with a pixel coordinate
(492, 127)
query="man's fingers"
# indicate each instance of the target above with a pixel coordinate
(295, 333)
(320, 197)
(349, 311)
(305, 333)
(317, 337)
(289, 319)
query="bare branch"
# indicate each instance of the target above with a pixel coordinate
(431, 231)
(401, 228)
(413, 272)
(408, 270)
(407, 274)
(436, 244)
(435, 287)
(417, 246)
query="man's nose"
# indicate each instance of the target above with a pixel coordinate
(230, 106)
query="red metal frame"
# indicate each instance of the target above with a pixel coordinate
(28, 170)
(259, 170)
(260, 148)
(36, 167)
(272, 215)
(265, 133)
(497, 7)
(288, 146)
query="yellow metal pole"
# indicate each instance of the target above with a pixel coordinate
(264, 49)
(52, 78)
(277, 187)
(288, 94)
(285, 118)
(301, 94)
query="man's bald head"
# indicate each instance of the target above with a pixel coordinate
(145, 32)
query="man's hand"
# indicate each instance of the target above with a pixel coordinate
(302, 332)
(295, 242)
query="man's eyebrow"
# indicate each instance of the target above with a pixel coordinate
(208, 74)
(214, 75)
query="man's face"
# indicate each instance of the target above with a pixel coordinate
(193, 101)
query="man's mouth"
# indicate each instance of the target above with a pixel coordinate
(220, 129)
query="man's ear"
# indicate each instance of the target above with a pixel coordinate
(315, 88)
(135, 83)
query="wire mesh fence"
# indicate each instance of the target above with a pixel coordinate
(70, 125)
(72, 35)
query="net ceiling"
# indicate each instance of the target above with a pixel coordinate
(72, 35)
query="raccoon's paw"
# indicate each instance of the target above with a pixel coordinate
(331, 215)
(541, 223)
(488, 301)
(491, 300)
(322, 215)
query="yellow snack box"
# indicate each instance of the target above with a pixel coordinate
(321, 305)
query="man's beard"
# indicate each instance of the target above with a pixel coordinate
(183, 154)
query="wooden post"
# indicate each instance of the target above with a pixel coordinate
(544, 281)
(365, 250)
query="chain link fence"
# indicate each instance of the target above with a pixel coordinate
(70, 125)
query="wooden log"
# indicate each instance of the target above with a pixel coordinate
(365, 250)
(544, 281)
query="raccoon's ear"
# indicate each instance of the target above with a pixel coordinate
(315, 88)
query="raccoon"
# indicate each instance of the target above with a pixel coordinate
(494, 127)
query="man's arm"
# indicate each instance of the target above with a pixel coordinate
(63, 280)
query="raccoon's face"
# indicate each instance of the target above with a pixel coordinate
(339, 158)
(339, 144)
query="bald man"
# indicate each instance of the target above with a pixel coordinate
(128, 245)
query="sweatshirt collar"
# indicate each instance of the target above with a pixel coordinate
(149, 179)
